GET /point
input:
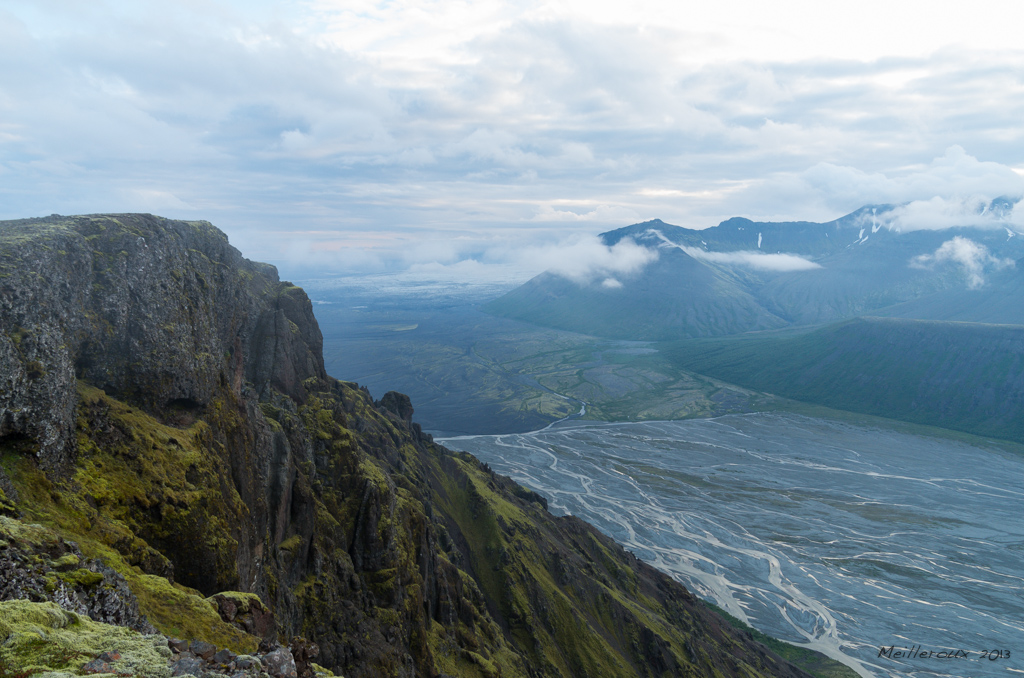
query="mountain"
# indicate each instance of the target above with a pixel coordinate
(743, 276)
(999, 301)
(677, 295)
(962, 376)
(174, 457)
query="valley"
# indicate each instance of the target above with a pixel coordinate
(831, 455)
(754, 467)
(842, 537)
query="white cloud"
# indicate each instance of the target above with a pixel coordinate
(610, 214)
(750, 258)
(154, 200)
(754, 259)
(973, 259)
(954, 186)
(941, 213)
(955, 173)
(423, 118)
(583, 259)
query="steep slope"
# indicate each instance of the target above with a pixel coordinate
(676, 296)
(1000, 300)
(962, 376)
(163, 404)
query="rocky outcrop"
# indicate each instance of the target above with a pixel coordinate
(164, 405)
(45, 638)
(163, 314)
(39, 566)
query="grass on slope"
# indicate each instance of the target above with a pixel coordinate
(814, 663)
(962, 376)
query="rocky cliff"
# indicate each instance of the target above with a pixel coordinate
(165, 414)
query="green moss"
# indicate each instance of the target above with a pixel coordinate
(173, 609)
(387, 616)
(183, 613)
(82, 577)
(19, 532)
(41, 637)
(812, 662)
(321, 672)
(18, 335)
(66, 562)
(7, 507)
(243, 601)
(154, 483)
(291, 543)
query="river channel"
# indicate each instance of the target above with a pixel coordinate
(845, 538)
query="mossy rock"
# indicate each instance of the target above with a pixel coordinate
(42, 637)
(173, 609)
(321, 672)
(243, 602)
(82, 577)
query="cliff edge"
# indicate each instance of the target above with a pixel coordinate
(165, 414)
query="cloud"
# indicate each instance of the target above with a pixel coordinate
(384, 126)
(610, 214)
(153, 200)
(749, 258)
(973, 259)
(953, 174)
(954, 186)
(584, 259)
(941, 213)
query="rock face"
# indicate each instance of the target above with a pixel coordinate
(163, 403)
(136, 305)
(38, 566)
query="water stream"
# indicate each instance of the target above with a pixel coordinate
(840, 537)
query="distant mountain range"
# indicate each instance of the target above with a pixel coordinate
(743, 276)
(926, 326)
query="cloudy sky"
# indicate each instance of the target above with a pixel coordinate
(364, 135)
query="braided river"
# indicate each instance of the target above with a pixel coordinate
(841, 537)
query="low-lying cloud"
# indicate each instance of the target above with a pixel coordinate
(973, 258)
(602, 214)
(947, 212)
(762, 261)
(585, 259)
(751, 259)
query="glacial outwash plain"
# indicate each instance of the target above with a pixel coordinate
(185, 491)
(815, 426)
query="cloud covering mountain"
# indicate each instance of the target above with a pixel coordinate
(377, 136)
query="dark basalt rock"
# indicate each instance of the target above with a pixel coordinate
(280, 663)
(202, 649)
(35, 565)
(398, 404)
(187, 666)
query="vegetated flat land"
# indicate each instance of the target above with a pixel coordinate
(470, 372)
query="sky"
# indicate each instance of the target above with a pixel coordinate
(494, 138)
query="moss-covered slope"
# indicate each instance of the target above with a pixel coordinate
(163, 404)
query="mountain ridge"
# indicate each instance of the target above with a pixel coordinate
(163, 406)
(742, 276)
